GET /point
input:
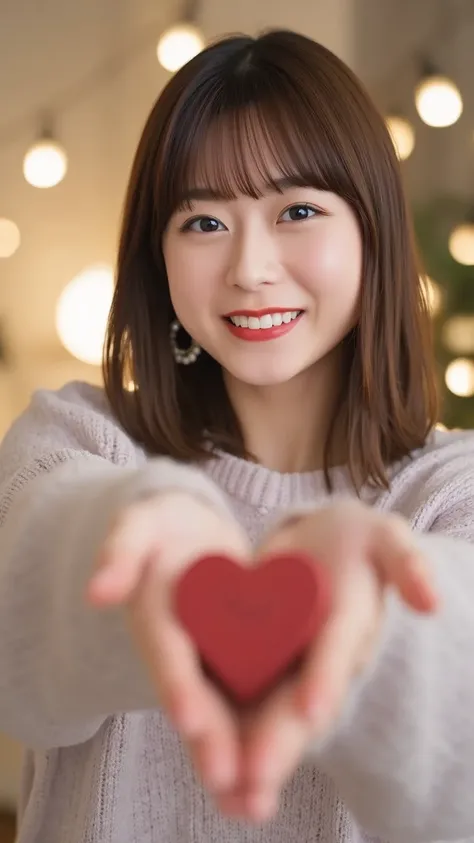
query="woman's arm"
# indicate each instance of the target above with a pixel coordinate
(65, 666)
(403, 752)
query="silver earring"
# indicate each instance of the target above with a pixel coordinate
(185, 356)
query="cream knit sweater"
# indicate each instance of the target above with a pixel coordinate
(104, 766)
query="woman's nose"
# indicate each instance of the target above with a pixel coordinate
(254, 260)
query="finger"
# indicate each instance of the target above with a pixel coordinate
(122, 558)
(197, 710)
(280, 736)
(341, 649)
(115, 583)
(193, 703)
(274, 742)
(401, 564)
(208, 726)
(216, 752)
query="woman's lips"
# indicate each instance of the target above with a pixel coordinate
(261, 334)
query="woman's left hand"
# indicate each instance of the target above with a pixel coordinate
(364, 552)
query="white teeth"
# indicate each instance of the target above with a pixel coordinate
(268, 320)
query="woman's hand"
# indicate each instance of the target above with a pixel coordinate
(364, 552)
(148, 547)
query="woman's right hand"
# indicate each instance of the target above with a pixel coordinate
(150, 544)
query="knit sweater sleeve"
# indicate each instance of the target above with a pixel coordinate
(65, 470)
(402, 754)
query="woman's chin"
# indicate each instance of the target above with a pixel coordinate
(262, 376)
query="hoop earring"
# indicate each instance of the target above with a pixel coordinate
(184, 356)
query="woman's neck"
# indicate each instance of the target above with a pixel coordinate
(285, 426)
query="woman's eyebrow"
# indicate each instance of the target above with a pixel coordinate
(195, 194)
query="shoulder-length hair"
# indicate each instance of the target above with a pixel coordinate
(321, 128)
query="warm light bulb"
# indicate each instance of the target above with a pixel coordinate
(9, 238)
(438, 101)
(178, 45)
(82, 312)
(403, 136)
(45, 164)
(461, 244)
(458, 334)
(459, 377)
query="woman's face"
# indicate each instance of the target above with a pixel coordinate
(268, 286)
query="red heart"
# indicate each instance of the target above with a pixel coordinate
(250, 624)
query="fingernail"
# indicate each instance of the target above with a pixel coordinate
(96, 590)
(102, 578)
(426, 590)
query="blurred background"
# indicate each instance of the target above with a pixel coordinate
(77, 81)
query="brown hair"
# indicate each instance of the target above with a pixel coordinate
(321, 128)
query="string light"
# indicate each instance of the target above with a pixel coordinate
(438, 101)
(178, 45)
(461, 244)
(10, 238)
(458, 334)
(45, 163)
(82, 312)
(459, 377)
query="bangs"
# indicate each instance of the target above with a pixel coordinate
(225, 148)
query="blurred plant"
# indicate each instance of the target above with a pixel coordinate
(434, 222)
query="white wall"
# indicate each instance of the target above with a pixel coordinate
(331, 23)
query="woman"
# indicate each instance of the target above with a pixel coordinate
(270, 316)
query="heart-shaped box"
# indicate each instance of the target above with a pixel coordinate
(251, 624)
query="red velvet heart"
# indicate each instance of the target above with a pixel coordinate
(250, 624)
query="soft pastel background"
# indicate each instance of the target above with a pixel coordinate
(90, 70)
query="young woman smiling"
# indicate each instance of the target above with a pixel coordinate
(270, 314)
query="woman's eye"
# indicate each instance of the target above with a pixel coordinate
(297, 213)
(203, 225)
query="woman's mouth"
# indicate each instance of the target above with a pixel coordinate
(258, 326)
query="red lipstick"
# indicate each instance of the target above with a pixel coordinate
(261, 334)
